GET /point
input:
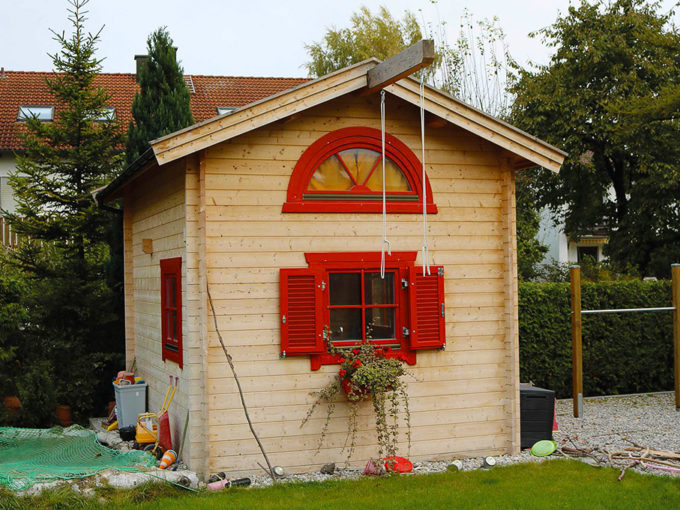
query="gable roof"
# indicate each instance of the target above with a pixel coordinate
(530, 151)
(209, 92)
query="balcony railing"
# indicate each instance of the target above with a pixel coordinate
(8, 238)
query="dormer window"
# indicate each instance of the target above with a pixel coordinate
(221, 110)
(343, 172)
(43, 113)
(108, 113)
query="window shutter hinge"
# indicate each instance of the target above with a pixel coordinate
(442, 309)
(405, 331)
(440, 271)
(404, 283)
(282, 355)
(322, 286)
(283, 319)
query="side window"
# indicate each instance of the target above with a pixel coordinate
(171, 309)
(343, 295)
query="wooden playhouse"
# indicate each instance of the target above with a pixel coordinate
(277, 206)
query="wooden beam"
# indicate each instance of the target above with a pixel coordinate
(398, 66)
(675, 272)
(576, 341)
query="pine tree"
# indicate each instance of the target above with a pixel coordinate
(71, 328)
(162, 104)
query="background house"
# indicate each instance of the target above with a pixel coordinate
(24, 93)
(272, 207)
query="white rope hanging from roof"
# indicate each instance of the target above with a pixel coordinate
(426, 248)
(385, 242)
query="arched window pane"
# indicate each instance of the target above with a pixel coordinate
(359, 162)
(330, 176)
(395, 180)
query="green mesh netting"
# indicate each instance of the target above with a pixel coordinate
(30, 456)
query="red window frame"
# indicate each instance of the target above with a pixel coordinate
(171, 313)
(305, 304)
(299, 199)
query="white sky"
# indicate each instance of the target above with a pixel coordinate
(244, 37)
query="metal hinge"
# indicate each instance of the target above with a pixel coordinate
(405, 331)
(440, 271)
(404, 283)
(282, 355)
(442, 309)
(283, 319)
(322, 286)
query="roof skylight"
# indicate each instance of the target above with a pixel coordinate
(43, 113)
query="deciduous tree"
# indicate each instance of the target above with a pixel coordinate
(611, 59)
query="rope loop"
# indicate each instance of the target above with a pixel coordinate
(426, 248)
(385, 242)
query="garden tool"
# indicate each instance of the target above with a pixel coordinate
(153, 429)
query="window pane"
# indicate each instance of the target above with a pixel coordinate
(379, 323)
(346, 324)
(173, 324)
(41, 112)
(330, 176)
(378, 291)
(395, 180)
(359, 162)
(344, 288)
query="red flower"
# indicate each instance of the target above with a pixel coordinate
(357, 363)
(342, 360)
(388, 349)
(343, 372)
(355, 351)
(401, 356)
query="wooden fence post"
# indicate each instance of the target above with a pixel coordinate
(576, 343)
(675, 272)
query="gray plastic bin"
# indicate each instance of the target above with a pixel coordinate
(130, 403)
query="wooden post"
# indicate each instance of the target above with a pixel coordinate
(576, 345)
(675, 272)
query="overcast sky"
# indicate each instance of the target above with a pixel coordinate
(244, 37)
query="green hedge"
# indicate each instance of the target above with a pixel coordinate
(622, 353)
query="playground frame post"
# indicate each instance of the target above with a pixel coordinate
(576, 340)
(675, 273)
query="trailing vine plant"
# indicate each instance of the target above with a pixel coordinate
(367, 372)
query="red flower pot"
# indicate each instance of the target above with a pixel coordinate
(64, 416)
(348, 388)
(12, 405)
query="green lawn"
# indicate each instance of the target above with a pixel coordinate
(556, 484)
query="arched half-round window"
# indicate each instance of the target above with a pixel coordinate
(342, 172)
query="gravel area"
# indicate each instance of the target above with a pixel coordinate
(649, 420)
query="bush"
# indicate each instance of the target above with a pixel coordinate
(622, 353)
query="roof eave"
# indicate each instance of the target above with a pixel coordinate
(110, 192)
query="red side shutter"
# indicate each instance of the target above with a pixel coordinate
(171, 310)
(301, 307)
(427, 309)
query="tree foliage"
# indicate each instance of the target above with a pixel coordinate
(70, 323)
(162, 104)
(379, 36)
(474, 68)
(611, 61)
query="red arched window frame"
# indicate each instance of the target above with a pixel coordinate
(299, 199)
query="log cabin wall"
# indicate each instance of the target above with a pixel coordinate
(160, 206)
(464, 400)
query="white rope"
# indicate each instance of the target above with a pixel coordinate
(385, 242)
(426, 248)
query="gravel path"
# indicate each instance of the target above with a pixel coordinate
(646, 419)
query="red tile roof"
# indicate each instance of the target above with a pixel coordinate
(29, 88)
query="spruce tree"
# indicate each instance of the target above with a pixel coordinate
(162, 104)
(71, 332)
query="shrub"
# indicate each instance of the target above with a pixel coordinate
(622, 353)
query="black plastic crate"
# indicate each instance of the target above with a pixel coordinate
(536, 410)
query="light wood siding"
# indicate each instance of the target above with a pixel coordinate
(161, 206)
(463, 400)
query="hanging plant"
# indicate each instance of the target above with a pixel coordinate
(368, 372)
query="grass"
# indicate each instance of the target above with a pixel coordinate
(555, 484)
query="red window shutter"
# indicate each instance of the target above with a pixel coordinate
(427, 309)
(301, 312)
(171, 310)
